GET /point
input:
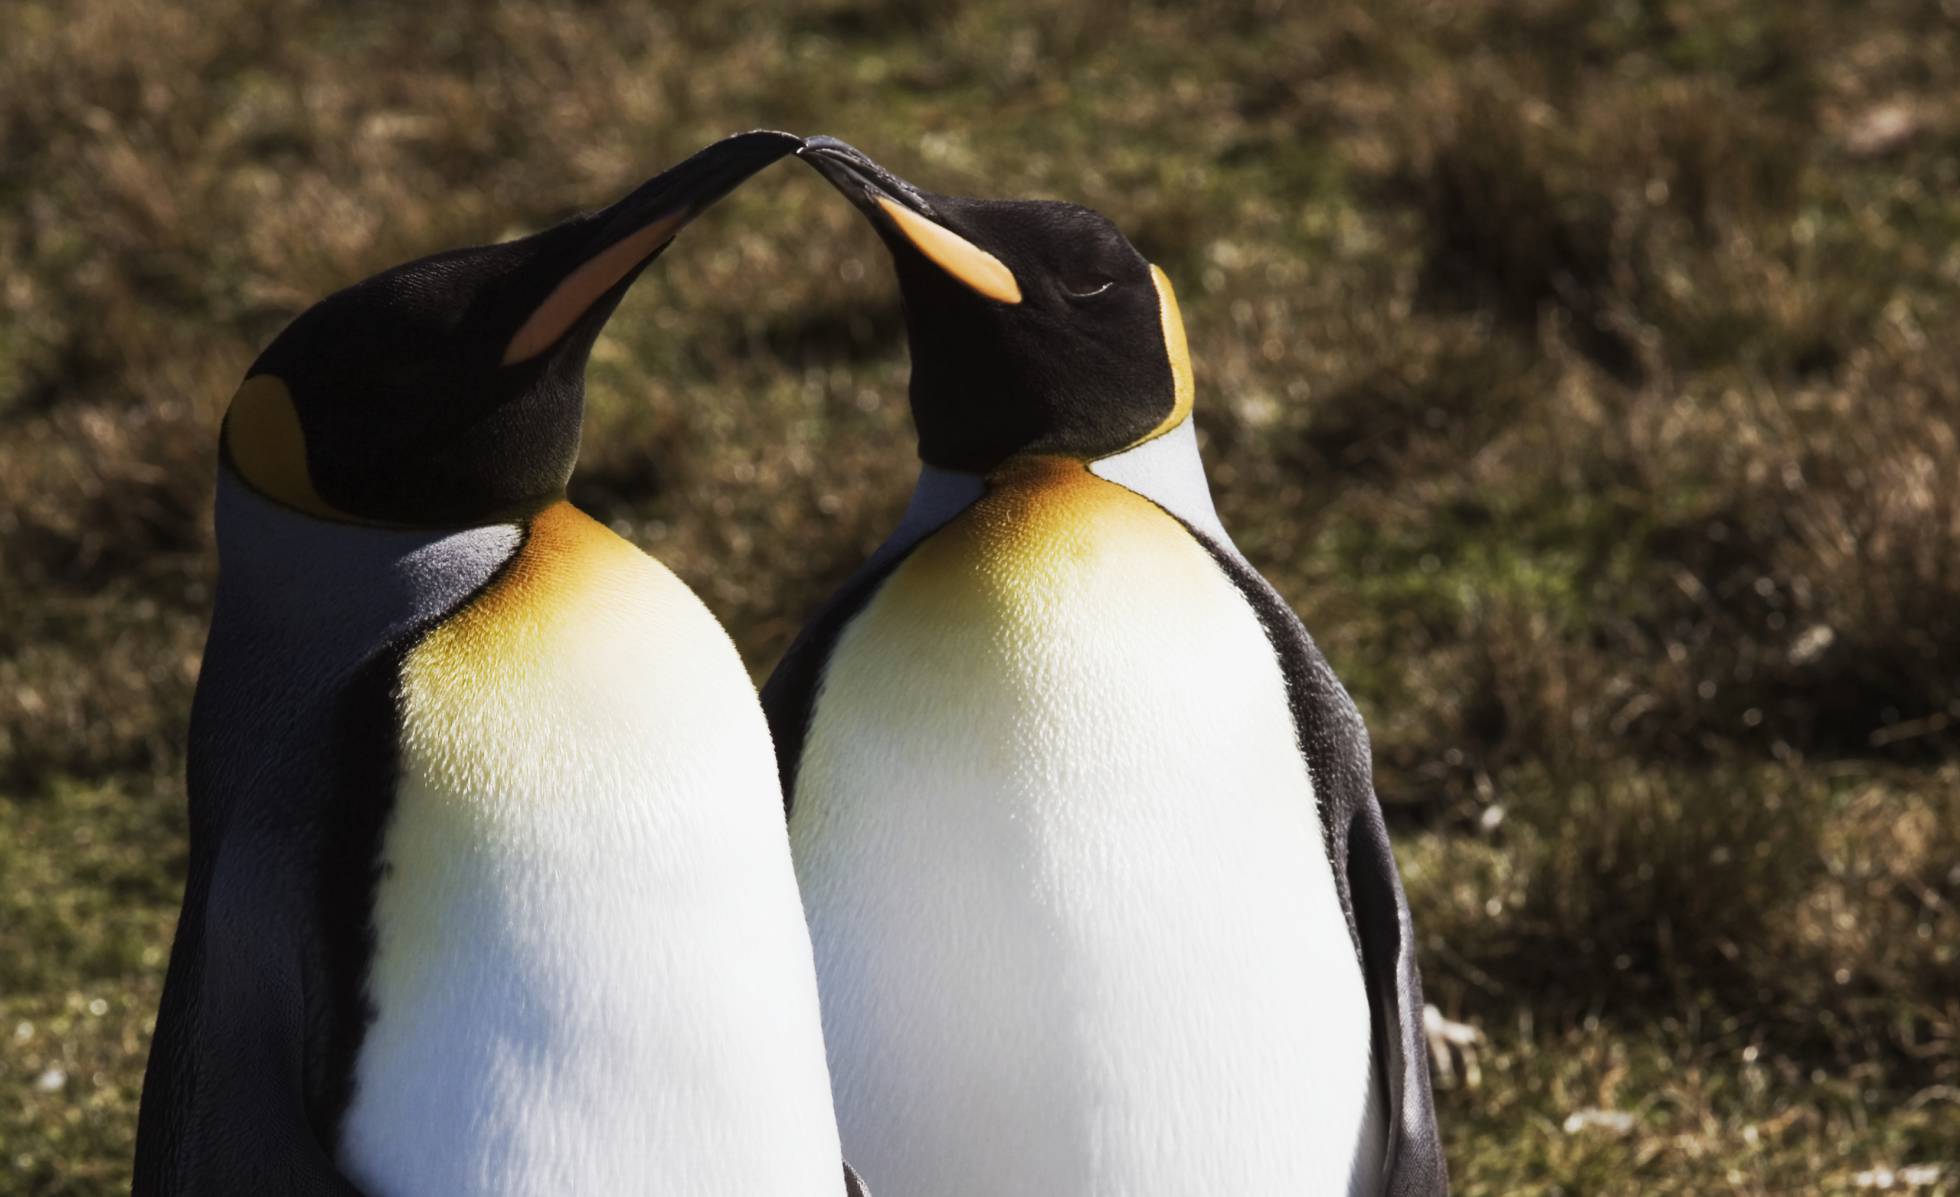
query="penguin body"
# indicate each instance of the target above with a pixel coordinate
(489, 891)
(586, 911)
(1043, 686)
(1088, 846)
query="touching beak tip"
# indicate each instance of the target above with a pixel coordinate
(853, 173)
(832, 160)
(824, 145)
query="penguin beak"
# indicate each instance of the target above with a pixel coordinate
(862, 181)
(626, 236)
(904, 216)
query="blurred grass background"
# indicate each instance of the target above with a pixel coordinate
(1586, 373)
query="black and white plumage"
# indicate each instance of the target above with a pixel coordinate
(1098, 883)
(489, 891)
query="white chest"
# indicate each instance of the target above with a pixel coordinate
(1074, 923)
(590, 973)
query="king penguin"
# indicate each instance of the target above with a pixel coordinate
(1096, 876)
(489, 891)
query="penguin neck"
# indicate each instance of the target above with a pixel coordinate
(938, 496)
(280, 565)
(1168, 471)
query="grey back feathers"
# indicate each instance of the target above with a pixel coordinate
(276, 564)
(291, 760)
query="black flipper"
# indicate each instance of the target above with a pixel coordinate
(251, 1064)
(789, 697)
(223, 1105)
(292, 773)
(1335, 743)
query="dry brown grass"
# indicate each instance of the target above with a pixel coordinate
(1586, 374)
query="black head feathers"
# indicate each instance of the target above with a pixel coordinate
(1035, 327)
(450, 390)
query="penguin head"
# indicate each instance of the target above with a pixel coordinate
(450, 391)
(1035, 326)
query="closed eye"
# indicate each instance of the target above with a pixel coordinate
(1093, 291)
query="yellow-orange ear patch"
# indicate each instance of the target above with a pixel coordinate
(262, 433)
(1178, 350)
(576, 293)
(1175, 346)
(954, 254)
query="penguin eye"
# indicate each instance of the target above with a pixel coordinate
(1089, 288)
